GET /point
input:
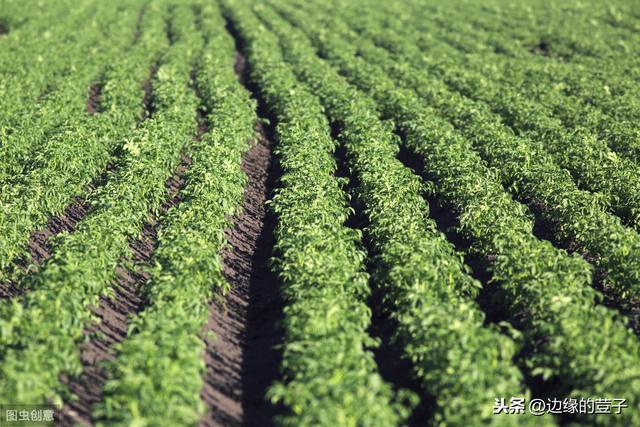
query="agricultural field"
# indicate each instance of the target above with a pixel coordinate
(337, 213)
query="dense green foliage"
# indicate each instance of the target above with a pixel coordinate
(322, 270)
(154, 379)
(428, 290)
(84, 262)
(552, 290)
(67, 148)
(531, 173)
(464, 177)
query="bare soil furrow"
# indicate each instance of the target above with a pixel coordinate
(544, 229)
(93, 99)
(147, 100)
(111, 329)
(446, 219)
(114, 315)
(39, 246)
(241, 358)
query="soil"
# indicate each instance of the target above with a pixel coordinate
(93, 100)
(630, 310)
(39, 248)
(241, 359)
(395, 369)
(3, 29)
(10, 290)
(544, 230)
(241, 68)
(114, 314)
(446, 218)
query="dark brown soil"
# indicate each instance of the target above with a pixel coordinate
(241, 360)
(393, 367)
(93, 100)
(491, 296)
(241, 68)
(9, 290)
(446, 218)
(39, 246)
(612, 301)
(115, 313)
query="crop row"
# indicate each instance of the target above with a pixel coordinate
(578, 216)
(501, 152)
(40, 332)
(618, 106)
(547, 293)
(74, 157)
(157, 375)
(329, 376)
(532, 175)
(427, 289)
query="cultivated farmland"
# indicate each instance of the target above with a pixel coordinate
(337, 213)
